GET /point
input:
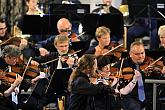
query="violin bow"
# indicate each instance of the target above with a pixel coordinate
(81, 34)
(113, 49)
(58, 58)
(6, 41)
(26, 67)
(121, 66)
(153, 63)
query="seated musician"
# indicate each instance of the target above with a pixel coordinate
(5, 35)
(10, 55)
(161, 34)
(104, 45)
(136, 99)
(106, 102)
(82, 91)
(64, 28)
(61, 43)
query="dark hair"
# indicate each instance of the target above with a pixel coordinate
(2, 19)
(86, 62)
(11, 51)
(103, 61)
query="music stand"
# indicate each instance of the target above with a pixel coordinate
(59, 81)
(112, 21)
(146, 8)
(74, 12)
(80, 45)
(41, 25)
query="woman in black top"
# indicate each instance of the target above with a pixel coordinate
(81, 90)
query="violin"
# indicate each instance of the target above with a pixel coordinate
(111, 49)
(72, 54)
(31, 72)
(151, 67)
(74, 37)
(8, 77)
(12, 40)
(114, 49)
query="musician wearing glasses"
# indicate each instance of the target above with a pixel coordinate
(64, 28)
(137, 60)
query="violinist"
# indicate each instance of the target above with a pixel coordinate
(104, 45)
(109, 101)
(64, 28)
(10, 55)
(61, 43)
(5, 94)
(136, 60)
(7, 39)
(82, 92)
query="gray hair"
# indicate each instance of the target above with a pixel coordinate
(11, 51)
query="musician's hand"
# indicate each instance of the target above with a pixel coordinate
(23, 44)
(93, 80)
(18, 80)
(33, 62)
(163, 70)
(105, 82)
(43, 51)
(137, 75)
(70, 61)
(1, 94)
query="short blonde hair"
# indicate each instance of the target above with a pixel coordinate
(60, 39)
(161, 30)
(101, 31)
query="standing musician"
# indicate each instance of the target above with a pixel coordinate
(10, 55)
(64, 28)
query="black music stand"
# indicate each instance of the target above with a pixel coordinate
(146, 8)
(59, 81)
(80, 45)
(112, 21)
(74, 12)
(41, 25)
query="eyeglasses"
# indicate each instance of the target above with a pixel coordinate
(140, 53)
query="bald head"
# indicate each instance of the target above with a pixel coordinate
(63, 25)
